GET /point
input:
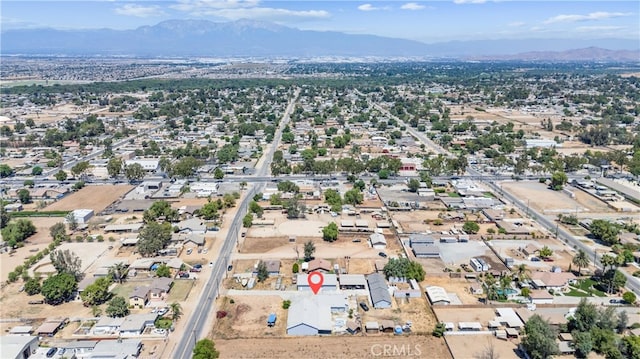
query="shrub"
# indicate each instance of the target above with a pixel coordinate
(221, 314)
(286, 304)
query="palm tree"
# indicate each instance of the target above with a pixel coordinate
(581, 260)
(607, 261)
(505, 283)
(243, 185)
(490, 283)
(118, 272)
(176, 311)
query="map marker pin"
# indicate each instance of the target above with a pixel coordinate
(315, 280)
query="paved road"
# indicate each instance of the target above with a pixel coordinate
(197, 321)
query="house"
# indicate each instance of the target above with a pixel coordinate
(188, 239)
(159, 288)
(273, 267)
(125, 348)
(192, 225)
(149, 165)
(139, 297)
(437, 295)
(50, 327)
(551, 280)
(379, 291)
(124, 228)
(81, 216)
(319, 265)
(330, 282)
(107, 325)
(530, 250)
(18, 346)
(311, 315)
(378, 241)
(509, 318)
(135, 324)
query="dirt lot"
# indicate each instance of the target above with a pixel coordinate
(91, 197)
(415, 310)
(539, 197)
(247, 317)
(333, 347)
(465, 346)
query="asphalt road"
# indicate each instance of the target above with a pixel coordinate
(197, 321)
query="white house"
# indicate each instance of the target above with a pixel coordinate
(149, 165)
(311, 315)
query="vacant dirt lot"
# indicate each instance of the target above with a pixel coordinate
(247, 317)
(465, 346)
(460, 286)
(541, 198)
(91, 197)
(333, 347)
(415, 310)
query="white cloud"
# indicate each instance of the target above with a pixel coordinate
(599, 28)
(195, 5)
(600, 15)
(367, 7)
(412, 6)
(139, 10)
(265, 13)
(469, 1)
(516, 24)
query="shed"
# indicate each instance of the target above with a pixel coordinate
(50, 327)
(361, 223)
(493, 324)
(352, 281)
(426, 250)
(469, 326)
(21, 330)
(387, 326)
(378, 241)
(353, 327)
(420, 238)
(371, 327)
(437, 295)
(347, 223)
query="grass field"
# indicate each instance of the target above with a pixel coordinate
(180, 290)
(585, 288)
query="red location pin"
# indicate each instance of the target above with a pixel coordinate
(315, 280)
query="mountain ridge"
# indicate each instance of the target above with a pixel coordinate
(250, 38)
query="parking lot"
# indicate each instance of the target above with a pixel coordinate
(457, 253)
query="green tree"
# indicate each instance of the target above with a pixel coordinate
(413, 185)
(614, 280)
(29, 183)
(353, 197)
(163, 271)
(540, 338)
(160, 209)
(330, 232)
(176, 311)
(582, 343)
(247, 220)
(471, 227)
(309, 250)
(439, 330)
(96, 293)
(5, 170)
(153, 237)
(15, 232)
(629, 297)
(210, 210)
(32, 286)
(65, 261)
(205, 349)
(117, 308)
(185, 167)
(80, 168)
(558, 180)
(118, 272)
(605, 231)
(36, 170)
(584, 318)
(58, 288)
(254, 207)
(72, 222)
(288, 186)
(263, 274)
(218, 174)
(114, 166)
(545, 252)
(24, 196)
(404, 268)
(295, 268)
(630, 346)
(581, 260)
(61, 175)
(134, 172)
(333, 199)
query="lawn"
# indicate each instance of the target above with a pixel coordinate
(453, 194)
(126, 288)
(180, 290)
(586, 285)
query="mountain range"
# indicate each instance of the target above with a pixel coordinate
(247, 38)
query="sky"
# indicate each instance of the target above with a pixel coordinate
(426, 21)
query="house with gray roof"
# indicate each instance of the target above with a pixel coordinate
(379, 291)
(135, 324)
(311, 315)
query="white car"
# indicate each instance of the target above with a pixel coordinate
(160, 331)
(163, 311)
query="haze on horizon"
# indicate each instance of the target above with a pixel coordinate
(426, 21)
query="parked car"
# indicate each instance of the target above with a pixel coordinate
(615, 301)
(356, 240)
(535, 259)
(36, 302)
(199, 266)
(364, 306)
(547, 259)
(61, 351)
(195, 270)
(163, 311)
(51, 352)
(382, 254)
(183, 274)
(159, 331)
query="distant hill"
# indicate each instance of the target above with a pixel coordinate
(246, 38)
(585, 54)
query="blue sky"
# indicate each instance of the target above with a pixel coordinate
(427, 21)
